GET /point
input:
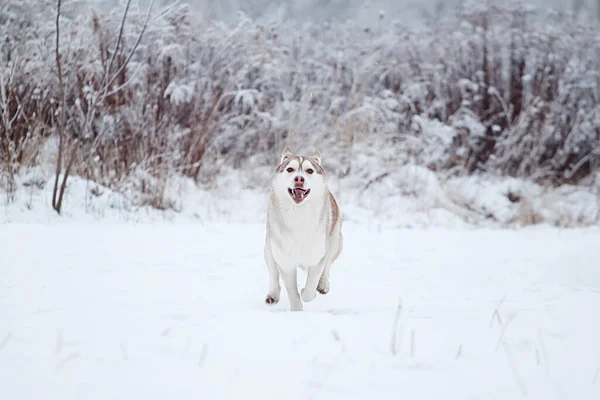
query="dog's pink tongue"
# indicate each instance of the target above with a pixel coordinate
(298, 193)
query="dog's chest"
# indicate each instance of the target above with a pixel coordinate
(303, 243)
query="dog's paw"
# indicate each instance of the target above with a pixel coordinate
(307, 295)
(271, 299)
(323, 286)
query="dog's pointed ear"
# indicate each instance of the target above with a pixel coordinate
(317, 156)
(287, 152)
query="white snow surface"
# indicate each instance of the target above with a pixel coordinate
(175, 311)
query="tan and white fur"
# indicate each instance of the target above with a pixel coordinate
(303, 229)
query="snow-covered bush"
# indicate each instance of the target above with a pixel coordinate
(503, 91)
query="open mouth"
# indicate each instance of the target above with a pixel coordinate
(298, 194)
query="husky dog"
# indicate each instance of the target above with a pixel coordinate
(303, 229)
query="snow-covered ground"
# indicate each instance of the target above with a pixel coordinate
(175, 311)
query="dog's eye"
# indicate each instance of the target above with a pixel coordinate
(310, 171)
(290, 170)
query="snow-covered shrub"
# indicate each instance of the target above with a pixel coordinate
(503, 91)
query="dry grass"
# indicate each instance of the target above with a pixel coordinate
(513, 86)
(393, 344)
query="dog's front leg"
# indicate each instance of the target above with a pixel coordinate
(323, 285)
(332, 255)
(290, 280)
(312, 279)
(274, 287)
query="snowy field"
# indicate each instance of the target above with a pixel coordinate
(455, 282)
(159, 311)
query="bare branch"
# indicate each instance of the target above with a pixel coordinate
(62, 115)
(135, 46)
(116, 50)
(63, 185)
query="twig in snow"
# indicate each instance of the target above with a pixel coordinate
(555, 383)
(59, 342)
(5, 340)
(336, 335)
(124, 352)
(511, 364)
(395, 329)
(188, 345)
(496, 313)
(338, 338)
(512, 317)
(64, 361)
(203, 354)
(412, 343)
(459, 352)
(596, 375)
(544, 352)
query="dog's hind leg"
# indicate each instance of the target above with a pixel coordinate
(274, 287)
(290, 280)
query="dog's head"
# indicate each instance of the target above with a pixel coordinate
(298, 177)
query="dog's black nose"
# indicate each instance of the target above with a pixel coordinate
(299, 181)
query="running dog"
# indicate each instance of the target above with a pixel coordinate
(304, 229)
